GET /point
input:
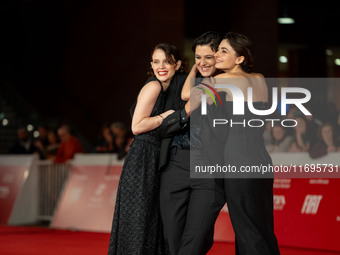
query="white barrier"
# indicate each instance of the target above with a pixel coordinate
(29, 188)
(51, 180)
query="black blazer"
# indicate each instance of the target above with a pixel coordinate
(171, 124)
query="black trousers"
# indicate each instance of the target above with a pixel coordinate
(189, 207)
(250, 205)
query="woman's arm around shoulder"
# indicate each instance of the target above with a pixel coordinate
(185, 95)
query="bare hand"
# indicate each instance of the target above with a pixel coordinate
(300, 128)
(195, 98)
(194, 69)
(167, 113)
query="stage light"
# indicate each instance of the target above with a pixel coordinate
(5, 122)
(30, 127)
(285, 20)
(283, 59)
(337, 61)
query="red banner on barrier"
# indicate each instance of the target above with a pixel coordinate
(306, 213)
(88, 200)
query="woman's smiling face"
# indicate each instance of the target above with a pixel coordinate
(205, 60)
(226, 57)
(162, 68)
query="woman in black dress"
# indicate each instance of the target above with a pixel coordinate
(136, 227)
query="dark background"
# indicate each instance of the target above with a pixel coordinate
(84, 61)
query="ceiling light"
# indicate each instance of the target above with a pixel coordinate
(286, 20)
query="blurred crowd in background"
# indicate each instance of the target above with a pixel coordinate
(311, 135)
(62, 144)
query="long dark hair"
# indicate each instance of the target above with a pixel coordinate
(243, 47)
(172, 55)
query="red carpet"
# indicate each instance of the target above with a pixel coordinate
(46, 241)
